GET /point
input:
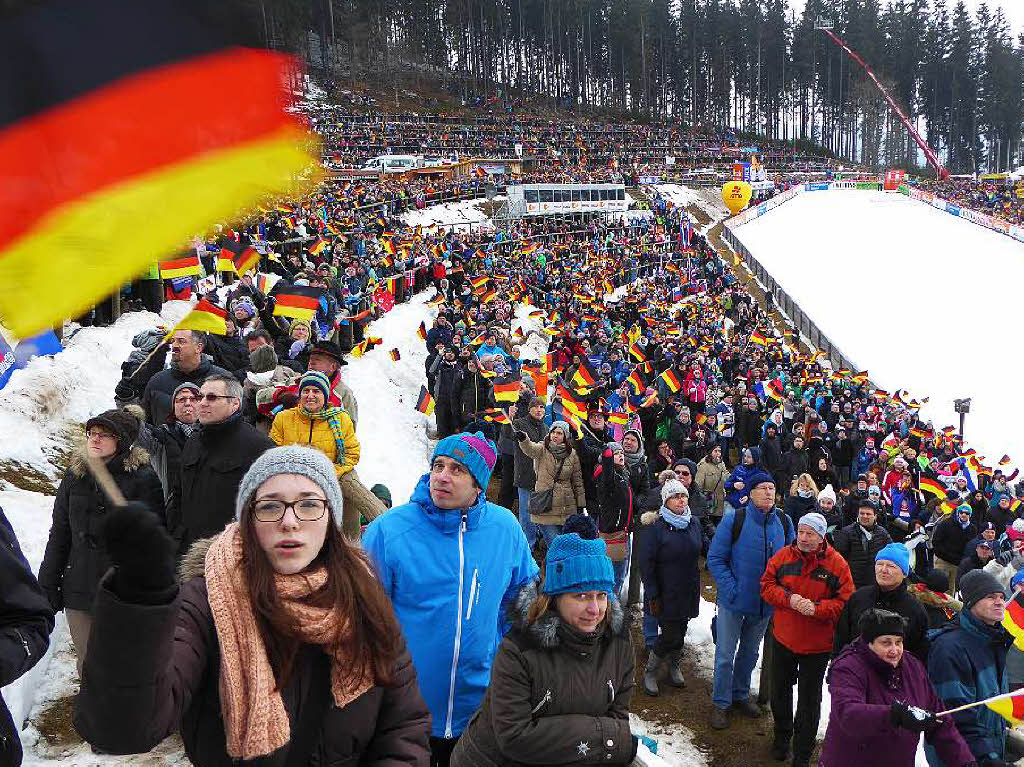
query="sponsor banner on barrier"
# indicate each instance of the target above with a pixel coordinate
(817, 186)
(981, 219)
(869, 185)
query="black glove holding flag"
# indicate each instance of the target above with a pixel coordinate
(142, 554)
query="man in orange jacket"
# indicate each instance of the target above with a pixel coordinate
(808, 583)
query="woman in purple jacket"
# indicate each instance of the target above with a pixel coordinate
(882, 700)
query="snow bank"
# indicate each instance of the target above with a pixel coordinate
(915, 296)
(461, 216)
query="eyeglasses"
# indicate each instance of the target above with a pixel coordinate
(185, 400)
(305, 509)
(96, 434)
(214, 397)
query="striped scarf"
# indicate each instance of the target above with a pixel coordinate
(332, 416)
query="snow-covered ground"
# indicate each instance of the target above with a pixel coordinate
(685, 196)
(461, 216)
(922, 300)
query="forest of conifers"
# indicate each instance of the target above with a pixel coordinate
(750, 65)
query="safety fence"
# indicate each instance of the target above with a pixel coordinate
(981, 219)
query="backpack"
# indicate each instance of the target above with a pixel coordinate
(741, 516)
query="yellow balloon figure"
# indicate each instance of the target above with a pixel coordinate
(736, 195)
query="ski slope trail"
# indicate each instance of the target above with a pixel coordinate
(921, 299)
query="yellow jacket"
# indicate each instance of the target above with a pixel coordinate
(295, 427)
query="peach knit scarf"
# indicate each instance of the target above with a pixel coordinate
(255, 718)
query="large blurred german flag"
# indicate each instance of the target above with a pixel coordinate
(125, 128)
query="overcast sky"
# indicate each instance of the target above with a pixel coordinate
(1013, 10)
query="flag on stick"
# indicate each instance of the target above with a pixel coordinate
(205, 316)
(425, 403)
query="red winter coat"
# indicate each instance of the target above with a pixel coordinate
(823, 577)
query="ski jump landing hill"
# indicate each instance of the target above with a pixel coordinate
(891, 283)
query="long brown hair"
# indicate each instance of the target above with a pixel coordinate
(351, 588)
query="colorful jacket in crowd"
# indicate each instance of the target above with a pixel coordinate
(451, 577)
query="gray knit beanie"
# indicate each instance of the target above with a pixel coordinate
(262, 359)
(292, 459)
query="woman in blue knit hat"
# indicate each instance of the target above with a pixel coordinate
(563, 676)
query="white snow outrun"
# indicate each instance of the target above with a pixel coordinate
(920, 299)
(51, 398)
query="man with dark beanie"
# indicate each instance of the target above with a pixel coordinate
(967, 663)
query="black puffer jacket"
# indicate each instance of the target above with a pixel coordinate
(75, 559)
(202, 498)
(556, 697)
(616, 508)
(859, 552)
(24, 630)
(899, 601)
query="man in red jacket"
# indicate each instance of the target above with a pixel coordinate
(808, 583)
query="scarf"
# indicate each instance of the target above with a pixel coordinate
(255, 720)
(558, 451)
(635, 458)
(678, 521)
(331, 415)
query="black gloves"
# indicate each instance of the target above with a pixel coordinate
(142, 552)
(521, 435)
(1005, 558)
(912, 718)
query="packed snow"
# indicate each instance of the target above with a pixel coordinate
(462, 216)
(919, 298)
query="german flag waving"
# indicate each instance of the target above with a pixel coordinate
(297, 301)
(239, 255)
(206, 317)
(425, 403)
(116, 145)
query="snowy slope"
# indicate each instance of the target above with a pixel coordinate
(461, 216)
(922, 300)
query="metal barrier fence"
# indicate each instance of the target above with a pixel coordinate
(785, 303)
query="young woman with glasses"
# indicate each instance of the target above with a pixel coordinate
(279, 646)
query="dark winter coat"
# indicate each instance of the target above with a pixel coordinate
(669, 562)
(950, 539)
(794, 463)
(859, 552)
(741, 473)
(26, 620)
(525, 476)
(900, 601)
(154, 669)
(860, 731)
(75, 559)
(748, 427)
(968, 663)
(474, 396)
(556, 697)
(590, 449)
(796, 507)
(613, 498)
(156, 399)
(771, 458)
(164, 444)
(213, 462)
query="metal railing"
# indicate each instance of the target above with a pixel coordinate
(789, 307)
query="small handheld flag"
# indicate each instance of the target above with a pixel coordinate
(425, 403)
(395, 355)
(204, 316)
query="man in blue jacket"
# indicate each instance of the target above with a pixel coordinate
(451, 563)
(967, 663)
(737, 560)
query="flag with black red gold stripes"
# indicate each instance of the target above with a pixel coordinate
(117, 147)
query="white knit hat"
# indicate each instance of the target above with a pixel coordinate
(673, 487)
(292, 459)
(828, 493)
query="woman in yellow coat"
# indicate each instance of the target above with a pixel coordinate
(329, 430)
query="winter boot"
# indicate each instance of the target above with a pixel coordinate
(651, 674)
(675, 676)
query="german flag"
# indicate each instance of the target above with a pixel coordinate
(619, 419)
(425, 403)
(1010, 705)
(359, 349)
(1004, 460)
(297, 301)
(184, 266)
(540, 382)
(881, 395)
(240, 255)
(671, 381)
(701, 418)
(933, 486)
(204, 316)
(758, 338)
(1013, 620)
(395, 355)
(775, 390)
(572, 403)
(506, 392)
(585, 376)
(319, 246)
(421, 331)
(549, 362)
(636, 382)
(116, 146)
(860, 378)
(919, 432)
(480, 172)
(637, 352)
(495, 415)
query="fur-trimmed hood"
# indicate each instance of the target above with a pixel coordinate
(544, 632)
(134, 459)
(193, 564)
